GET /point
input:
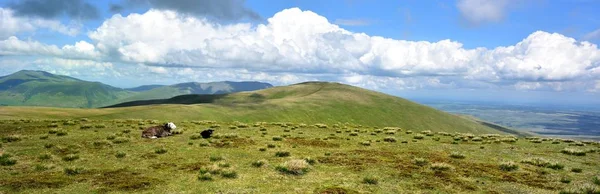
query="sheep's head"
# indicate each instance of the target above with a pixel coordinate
(171, 126)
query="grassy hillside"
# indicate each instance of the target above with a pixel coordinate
(314, 102)
(38, 88)
(108, 156)
(196, 88)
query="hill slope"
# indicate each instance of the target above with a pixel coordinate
(197, 88)
(38, 88)
(314, 102)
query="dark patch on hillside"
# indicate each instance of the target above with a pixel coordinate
(501, 128)
(144, 88)
(183, 99)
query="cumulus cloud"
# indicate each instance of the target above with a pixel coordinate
(221, 9)
(77, 9)
(81, 49)
(10, 25)
(299, 45)
(482, 11)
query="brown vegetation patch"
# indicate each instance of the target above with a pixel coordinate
(44, 180)
(124, 180)
(311, 142)
(162, 165)
(193, 166)
(334, 190)
(234, 143)
(354, 163)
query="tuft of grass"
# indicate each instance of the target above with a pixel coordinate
(293, 167)
(119, 140)
(44, 137)
(555, 166)
(271, 146)
(310, 160)
(70, 157)
(259, 163)
(71, 171)
(277, 138)
(52, 131)
(581, 189)
(262, 149)
(441, 166)
(457, 155)
(353, 134)
(101, 143)
(61, 133)
(418, 136)
(420, 161)
(282, 154)
(11, 138)
(389, 139)
(195, 136)
(365, 143)
(205, 177)
(5, 160)
(215, 158)
(120, 154)
(45, 157)
(160, 151)
(230, 174)
(573, 152)
(371, 180)
(509, 166)
(565, 180)
(48, 145)
(541, 162)
(576, 170)
(596, 179)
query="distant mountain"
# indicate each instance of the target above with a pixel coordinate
(197, 88)
(144, 88)
(39, 88)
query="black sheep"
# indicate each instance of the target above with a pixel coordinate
(206, 133)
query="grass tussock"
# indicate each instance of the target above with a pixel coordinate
(457, 155)
(294, 167)
(5, 160)
(441, 166)
(371, 180)
(509, 166)
(573, 152)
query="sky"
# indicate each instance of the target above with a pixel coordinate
(513, 51)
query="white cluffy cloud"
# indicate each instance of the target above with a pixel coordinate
(303, 43)
(10, 25)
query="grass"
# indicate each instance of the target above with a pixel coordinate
(328, 163)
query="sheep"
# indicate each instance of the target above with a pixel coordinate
(206, 133)
(158, 131)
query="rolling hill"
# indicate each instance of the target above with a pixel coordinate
(225, 87)
(311, 102)
(39, 88)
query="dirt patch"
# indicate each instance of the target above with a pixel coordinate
(311, 142)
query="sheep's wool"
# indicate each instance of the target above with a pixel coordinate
(171, 125)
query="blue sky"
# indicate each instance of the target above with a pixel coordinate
(502, 50)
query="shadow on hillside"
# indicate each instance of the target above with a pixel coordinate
(503, 129)
(183, 99)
